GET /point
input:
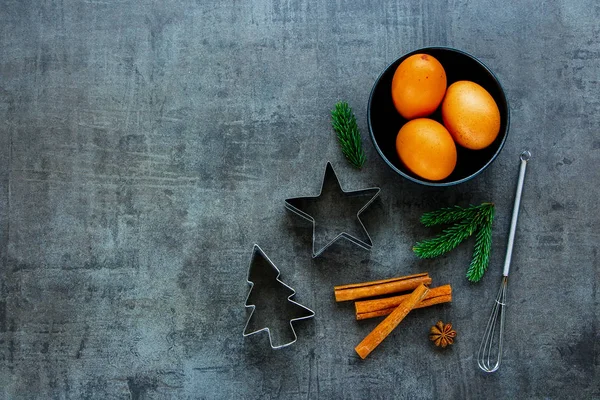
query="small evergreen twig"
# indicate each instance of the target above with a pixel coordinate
(466, 221)
(481, 253)
(448, 215)
(446, 241)
(348, 134)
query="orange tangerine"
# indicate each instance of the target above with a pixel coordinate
(471, 115)
(418, 86)
(426, 148)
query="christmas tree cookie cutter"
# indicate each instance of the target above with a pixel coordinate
(272, 297)
(301, 206)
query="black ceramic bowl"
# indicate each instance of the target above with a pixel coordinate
(385, 122)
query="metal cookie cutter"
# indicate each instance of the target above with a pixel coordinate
(263, 276)
(300, 205)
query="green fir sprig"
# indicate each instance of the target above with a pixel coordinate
(465, 222)
(348, 134)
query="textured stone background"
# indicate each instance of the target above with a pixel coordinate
(146, 146)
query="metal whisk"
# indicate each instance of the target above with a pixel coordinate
(490, 350)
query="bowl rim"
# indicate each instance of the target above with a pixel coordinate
(432, 183)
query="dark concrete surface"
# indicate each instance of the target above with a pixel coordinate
(145, 146)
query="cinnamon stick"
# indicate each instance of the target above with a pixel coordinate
(379, 307)
(376, 288)
(424, 303)
(386, 326)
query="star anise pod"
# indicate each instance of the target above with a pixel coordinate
(442, 334)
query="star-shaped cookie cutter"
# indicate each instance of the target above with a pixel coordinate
(307, 312)
(293, 205)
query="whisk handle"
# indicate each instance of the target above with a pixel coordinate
(525, 156)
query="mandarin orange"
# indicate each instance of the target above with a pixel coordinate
(418, 86)
(426, 148)
(471, 115)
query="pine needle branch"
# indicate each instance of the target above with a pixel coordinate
(465, 222)
(348, 134)
(446, 241)
(448, 215)
(481, 253)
